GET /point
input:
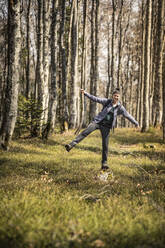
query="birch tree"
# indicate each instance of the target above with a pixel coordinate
(112, 44)
(108, 60)
(83, 64)
(143, 33)
(27, 93)
(64, 116)
(53, 86)
(92, 109)
(39, 89)
(3, 59)
(147, 61)
(120, 43)
(72, 63)
(94, 56)
(159, 42)
(164, 96)
(11, 93)
(46, 54)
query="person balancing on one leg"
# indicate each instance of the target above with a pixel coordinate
(104, 121)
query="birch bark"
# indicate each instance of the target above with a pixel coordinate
(53, 87)
(46, 54)
(147, 61)
(158, 65)
(73, 63)
(27, 93)
(11, 93)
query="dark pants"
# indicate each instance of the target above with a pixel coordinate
(105, 138)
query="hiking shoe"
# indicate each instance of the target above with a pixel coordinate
(68, 147)
(104, 167)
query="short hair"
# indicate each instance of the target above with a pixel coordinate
(116, 91)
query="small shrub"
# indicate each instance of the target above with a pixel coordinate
(29, 117)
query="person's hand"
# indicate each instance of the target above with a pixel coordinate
(82, 91)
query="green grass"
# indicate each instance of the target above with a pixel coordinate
(51, 198)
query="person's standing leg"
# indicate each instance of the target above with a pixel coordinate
(91, 127)
(105, 140)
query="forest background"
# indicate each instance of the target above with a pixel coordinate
(51, 49)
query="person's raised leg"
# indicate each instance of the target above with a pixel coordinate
(91, 127)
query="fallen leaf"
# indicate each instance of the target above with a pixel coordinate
(98, 243)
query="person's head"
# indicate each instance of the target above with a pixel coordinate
(116, 95)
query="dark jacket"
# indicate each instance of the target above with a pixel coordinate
(107, 105)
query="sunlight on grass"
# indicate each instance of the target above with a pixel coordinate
(51, 198)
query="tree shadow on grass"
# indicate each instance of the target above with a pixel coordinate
(139, 236)
(78, 147)
(95, 149)
(148, 168)
(82, 178)
(135, 139)
(89, 148)
(151, 154)
(18, 149)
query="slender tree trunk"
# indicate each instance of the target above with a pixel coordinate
(92, 108)
(11, 95)
(163, 77)
(77, 73)
(120, 44)
(138, 59)
(62, 68)
(86, 66)
(130, 100)
(109, 63)
(74, 60)
(94, 56)
(83, 61)
(153, 62)
(27, 92)
(138, 93)
(147, 67)
(53, 87)
(3, 80)
(96, 74)
(158, 65)
(112, 45)
(164, 95)
(46, 50)
(73, 63)
(39, 86)
(142, 65)
(39, 66)
(127, 85)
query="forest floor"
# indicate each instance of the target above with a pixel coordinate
(51, 198)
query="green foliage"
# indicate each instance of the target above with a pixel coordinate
(29, 117)
(51, 198)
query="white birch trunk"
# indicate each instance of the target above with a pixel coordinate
(142, 66)
(158, 66)
(11, 96)
(164, 96)
(46, 51)
(73, 61)
(53, 87)
(147, 67)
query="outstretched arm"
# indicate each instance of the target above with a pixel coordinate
(124, 112)
(94, 98)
